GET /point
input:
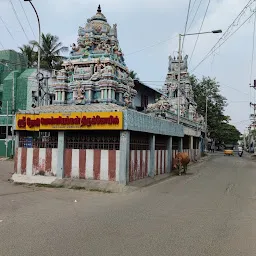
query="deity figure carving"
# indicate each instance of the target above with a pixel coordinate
(70, 67)
(79, 93)
(108, 70)
(161, 104)
(81, 31)
(74, 48)
(170, 64)
(182, 110)
(115, 30)
(127, 99)
(62, 72)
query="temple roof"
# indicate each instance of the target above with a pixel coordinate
(99, 15)
(96, 107)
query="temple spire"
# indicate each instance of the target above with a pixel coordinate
(99, 8)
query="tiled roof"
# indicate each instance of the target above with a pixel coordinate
(96, 107)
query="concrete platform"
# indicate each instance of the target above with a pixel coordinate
(37, 179)
(97, 185)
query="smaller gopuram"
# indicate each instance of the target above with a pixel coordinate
(95, 72)
(169, 102)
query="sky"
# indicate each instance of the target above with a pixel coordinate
(148, 33)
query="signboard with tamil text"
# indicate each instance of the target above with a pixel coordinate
(70, 121)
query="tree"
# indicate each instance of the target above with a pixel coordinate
(133, 75)
(51, 50)
(228, 134)
(208, 89)
(28, 50)
(217, 123)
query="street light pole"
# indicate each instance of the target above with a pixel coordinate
(206, 116)
(39, 48)
(179, 64)
(178, 87)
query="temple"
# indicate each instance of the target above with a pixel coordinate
(103, 125)
(95, 71)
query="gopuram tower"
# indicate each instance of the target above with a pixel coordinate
(187, 103)
(95, 72)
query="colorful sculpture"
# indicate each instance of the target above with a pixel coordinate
(95, 68)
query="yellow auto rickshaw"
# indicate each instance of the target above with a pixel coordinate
(228, 151)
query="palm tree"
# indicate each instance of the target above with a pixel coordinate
(28, 50)
(51, 49)
(133, 75)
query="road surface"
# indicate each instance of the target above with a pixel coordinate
(211, 211)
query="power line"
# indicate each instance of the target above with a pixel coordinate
(253, 42)
(27, 18)
(252, 58)
(195, 14)
(18, 19)
(153, 83)
(8, 30)
(192, 8)
(228, 33)
(1, 45)
(200, 30)
(150, 46)
(186, 24)
(214, 49)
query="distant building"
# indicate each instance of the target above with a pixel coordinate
(18, 90)
(145, 95)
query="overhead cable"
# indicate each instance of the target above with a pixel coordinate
(2, 45)
(195, 15)
(252, 58)
(217, 45)
(27, 18)
(150, 46)
(18, 19)
(200, 30)
(186, 24)
(8, 30)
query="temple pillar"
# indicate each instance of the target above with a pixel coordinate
(102, 94)
(124, 157)
(180, 144)
(191, 147)
(152, 145)
(60, 155)
(90, 95)
(169, 156)
(109, 94)
(63, 95)
(120, 97)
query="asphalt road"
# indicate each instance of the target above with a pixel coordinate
(211, 211)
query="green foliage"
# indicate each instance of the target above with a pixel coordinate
(51, 50)
(228, 134)
(134, 75)
(217, 123)
(28, 50)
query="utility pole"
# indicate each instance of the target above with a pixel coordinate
(179, 68)
(38, 51)
(13, 110)
(206, 123)
(7, 126)
(178, 86)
